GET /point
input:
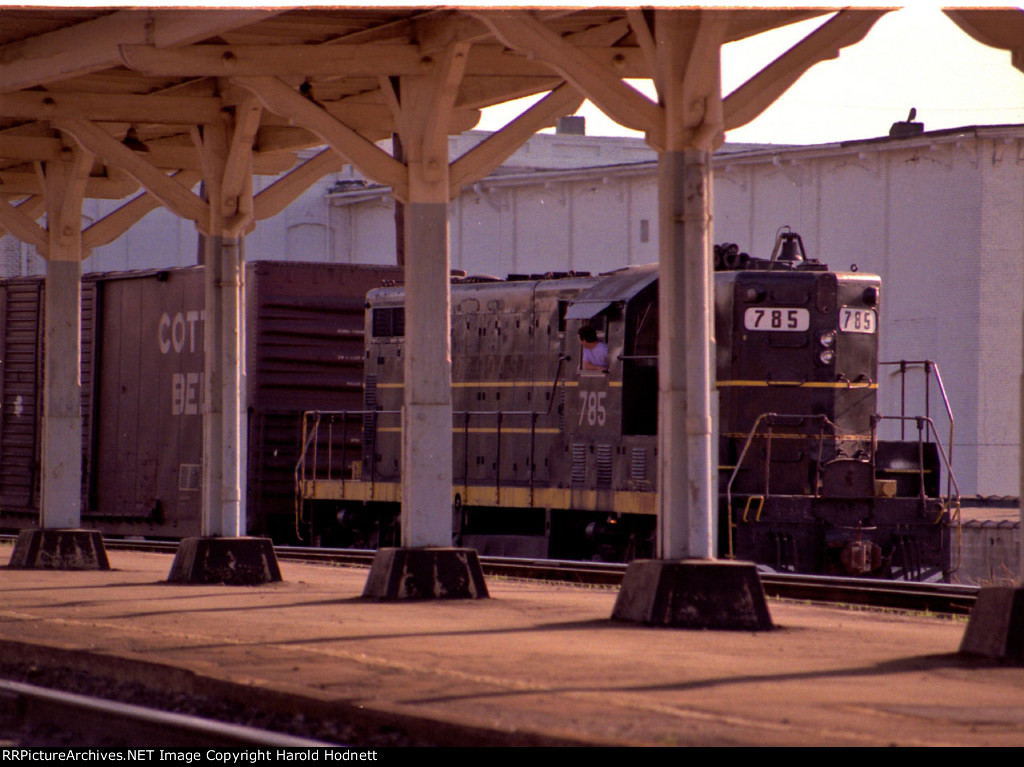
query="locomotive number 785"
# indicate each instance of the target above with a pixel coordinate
(592, 408)
(776, 318)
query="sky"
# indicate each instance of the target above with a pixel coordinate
(912, 57)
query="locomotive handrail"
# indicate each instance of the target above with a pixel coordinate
(562, 359)
(950, 502)
(746, 446)
(861, 382)
(929, 367)
(500, 416)
(920, 420)
(310, 440)
(300, 466)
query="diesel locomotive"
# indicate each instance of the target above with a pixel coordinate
(552, 459)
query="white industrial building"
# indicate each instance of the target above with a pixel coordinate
(940, 216)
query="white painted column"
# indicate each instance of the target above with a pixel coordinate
(1020, 545)
(223, 501)
(62, 391)
(687, 404)
(427, 409)
(63, 182)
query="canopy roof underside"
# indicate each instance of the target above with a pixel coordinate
(165, 71)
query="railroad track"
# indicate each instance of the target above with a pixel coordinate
(941, 598)
(106, 723)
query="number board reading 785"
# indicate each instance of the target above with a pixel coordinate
(857, 320)
(778, 318)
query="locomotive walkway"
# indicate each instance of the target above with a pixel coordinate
(536, 664)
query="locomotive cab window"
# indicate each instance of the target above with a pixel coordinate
(640, 367)
(593, 351)
(563, 308)
(593, 339)
(389, 323)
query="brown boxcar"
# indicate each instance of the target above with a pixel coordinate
(142, 389)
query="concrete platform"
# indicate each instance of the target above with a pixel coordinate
(536, 663)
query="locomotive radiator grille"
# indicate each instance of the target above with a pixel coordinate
(604, 465)
(370, 405)
(638, 465)
(579, 464)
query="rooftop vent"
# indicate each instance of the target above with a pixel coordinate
(573, 125)
(908, 127)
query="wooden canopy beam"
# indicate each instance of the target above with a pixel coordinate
(180, 200)
(275, 60)
(481, 92)
(278, 195)
(996, 27)
(238, 164)
(492, 151)
(369, 60)
(645, 39)
(166, 156)
(97, 187)
(29, 148)
(373, 162)
(93, 45)
(23, 225)
(427, 102)
(106, 107)
(602, 85)
(687, 46)
(113, 225)
(760, 91)
(65, 183)
(33, 207)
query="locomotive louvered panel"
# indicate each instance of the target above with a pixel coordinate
(604, 466)
(370, 404)
(579, 464)
(638, 464)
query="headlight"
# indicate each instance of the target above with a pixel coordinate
(827, 357)
(827, 339)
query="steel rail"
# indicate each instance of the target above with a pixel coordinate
(127, 725)
(941, 598)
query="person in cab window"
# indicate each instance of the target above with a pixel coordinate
(595, 353)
